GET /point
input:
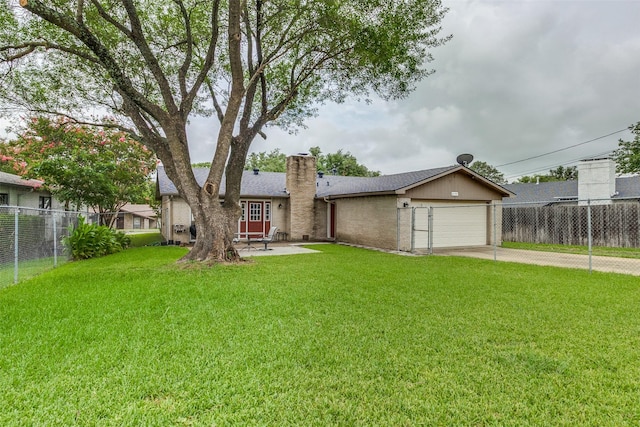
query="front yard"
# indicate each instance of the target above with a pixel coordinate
(343, 337)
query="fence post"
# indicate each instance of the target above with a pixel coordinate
(398, 229)
(55, 240)
(495, 234)
(589, 239)
(413, 229)
(430, 222)
(15, 246)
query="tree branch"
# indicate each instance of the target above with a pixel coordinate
(263, 80)
(30, 47)
(103, 13)
(249, 35)
(152, 62)
(79, 12)
(225, 136)
(83, 34)
(182, 72)
(209, 60)
(216, 105)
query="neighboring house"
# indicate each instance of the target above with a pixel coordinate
(597, 209)
(27, 193)
(136, 217)
(596, 184)
(370, 211)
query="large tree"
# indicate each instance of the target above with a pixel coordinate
(558, 174)
(274, 161)
(564, 174)
(340, 163)
(251, 63)
(488, 171)
(627, 156)
(81, 165)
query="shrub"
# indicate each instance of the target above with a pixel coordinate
(91, 240)
(123, 240)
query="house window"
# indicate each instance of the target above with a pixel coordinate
(4, 199)
(255, 211)
(45, 202)
(243, 206)
(136, 222)
(267, 211)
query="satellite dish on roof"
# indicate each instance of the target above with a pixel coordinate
(464, 159)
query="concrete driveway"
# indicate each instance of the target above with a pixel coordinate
(598, 263)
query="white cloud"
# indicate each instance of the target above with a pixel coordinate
(517, 80)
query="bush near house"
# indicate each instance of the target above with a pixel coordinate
(91, 240)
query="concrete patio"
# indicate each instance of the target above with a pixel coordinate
(276, 248)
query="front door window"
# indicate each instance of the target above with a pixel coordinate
(255, 218)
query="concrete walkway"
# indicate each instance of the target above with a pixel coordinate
(598, 263)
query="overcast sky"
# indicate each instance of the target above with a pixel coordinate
(520, 78)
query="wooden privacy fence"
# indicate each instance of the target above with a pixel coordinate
(613, 225)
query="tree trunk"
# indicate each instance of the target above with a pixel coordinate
(215, 229)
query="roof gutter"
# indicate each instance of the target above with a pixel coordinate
(345, 196)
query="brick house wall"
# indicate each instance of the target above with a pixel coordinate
(368, 221)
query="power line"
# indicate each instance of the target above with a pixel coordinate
(562, 149)
(570, 162)
(567, 163)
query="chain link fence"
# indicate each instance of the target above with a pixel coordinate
(31, 241)
(591, 234)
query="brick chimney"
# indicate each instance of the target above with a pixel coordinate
(596, 181)
(301, 185)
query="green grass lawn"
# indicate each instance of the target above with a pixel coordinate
(153, 237)
(27, 269)
(343, 337)
(574, 249)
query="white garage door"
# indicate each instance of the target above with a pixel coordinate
(453, 225)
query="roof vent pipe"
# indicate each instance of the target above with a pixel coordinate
(320, 174)
(255, 171)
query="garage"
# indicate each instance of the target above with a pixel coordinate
(452, 225)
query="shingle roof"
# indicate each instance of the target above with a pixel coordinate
(542, 192)
(343, 185)
(626, 187)
(140, 210)
(265, 184)
(11, 179)
(272, 184)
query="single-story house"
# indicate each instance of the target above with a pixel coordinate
(597, 184)
(136, 217)
(385, 212)
(27, 193)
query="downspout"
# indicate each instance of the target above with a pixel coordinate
(398, 229)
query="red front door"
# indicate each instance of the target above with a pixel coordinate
(256, 218)
(332, 221)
